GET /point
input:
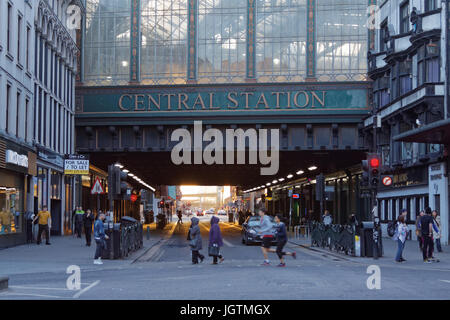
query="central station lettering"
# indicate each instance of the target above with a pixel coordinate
(222, 101)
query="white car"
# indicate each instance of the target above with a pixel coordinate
(222, 213)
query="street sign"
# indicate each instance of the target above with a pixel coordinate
(387, 181)
(76, 165)
(97, 188)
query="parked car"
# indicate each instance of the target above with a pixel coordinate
(251, 228)
(210, 211)
(200, 214)
(222, 213)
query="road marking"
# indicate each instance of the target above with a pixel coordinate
(227, 243)
(30, 294)
(39, 288)
(79, 293)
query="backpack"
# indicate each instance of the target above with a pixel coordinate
(392, 228)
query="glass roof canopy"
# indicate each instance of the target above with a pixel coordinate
(281, 27)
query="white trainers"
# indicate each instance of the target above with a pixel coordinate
(98, 261)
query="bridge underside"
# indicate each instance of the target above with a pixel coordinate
(146, 151)
(156, 168)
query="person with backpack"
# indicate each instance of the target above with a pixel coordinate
(400, 236)
(215, 240)
(195, 240)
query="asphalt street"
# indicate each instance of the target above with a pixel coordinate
(164, 271)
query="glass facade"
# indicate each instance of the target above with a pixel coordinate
(221, 40)
(281, 40)
(164, 41)
(107, 42)
(341, 40)
(219, 35)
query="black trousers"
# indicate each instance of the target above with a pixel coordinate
(99, 248)
(78, 228)
(196, 255)
(427, 250)
(43, 228)
(215, 258)
(88, 233)
(29, 231)
(280, 246)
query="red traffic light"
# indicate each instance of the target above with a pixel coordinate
(374, 162)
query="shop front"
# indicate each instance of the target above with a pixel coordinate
(17, 166)
(54, 190)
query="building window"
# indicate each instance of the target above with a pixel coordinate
(222, 40)
(19, 35)
(404, 17)
(430, 5)
(405, 79)
(428, 65)
(341, 50)
(383, 35)
(27, 62)
(382, 92)
(10, 209)
(8, 103)
(17, 114)
(164, 41)
(107, 41)
(27, 103)
(8, 29)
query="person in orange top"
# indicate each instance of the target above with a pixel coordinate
(44, 225)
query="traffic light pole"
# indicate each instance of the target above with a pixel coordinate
(375, 218)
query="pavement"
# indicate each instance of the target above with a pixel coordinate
(163, 270)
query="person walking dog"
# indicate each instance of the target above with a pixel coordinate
(215, 240)
(195, 241)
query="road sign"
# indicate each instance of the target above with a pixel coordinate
(295, 196)
(387, 181)
(97, 188)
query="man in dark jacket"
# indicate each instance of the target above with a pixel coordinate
(195, 240)
(281, 241)
(215, 238)
(88, 220)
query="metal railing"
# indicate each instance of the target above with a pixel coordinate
(336, 237)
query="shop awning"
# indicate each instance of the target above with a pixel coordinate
(437, 132)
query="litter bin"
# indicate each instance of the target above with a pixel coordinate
(107, 252)
(366, 231)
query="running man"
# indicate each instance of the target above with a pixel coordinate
(281, 242)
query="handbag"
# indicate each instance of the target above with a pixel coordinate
(213, 250)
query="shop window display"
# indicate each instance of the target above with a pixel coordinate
(10, 214)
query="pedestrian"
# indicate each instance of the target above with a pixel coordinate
(265, 231)
(180, 217)
(215, 240)
(437, 226)
(195, 241)
(327, 219)
(281, 237)
(418, 232)
(100, 238)
(88, 220)
(426, 228)
(400, 236)
(78, 219)
(44, 219)
(30, 217)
